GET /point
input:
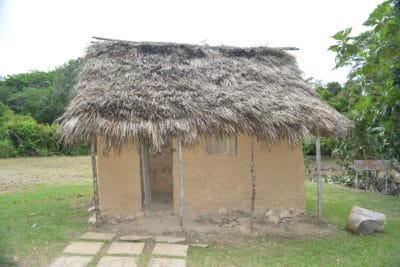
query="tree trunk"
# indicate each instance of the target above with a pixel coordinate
(95, 185)
(253, 183)
(319, 178)
(365, 222)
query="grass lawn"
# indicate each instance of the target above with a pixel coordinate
(339, 249)
(36, 224)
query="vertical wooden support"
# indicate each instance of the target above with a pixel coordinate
(95, 185)
(356, 180)
(146, 181)
(319, 178)
(253, 183)
(181, 184)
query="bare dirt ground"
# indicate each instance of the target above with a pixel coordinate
(20, 173)
(234, 229)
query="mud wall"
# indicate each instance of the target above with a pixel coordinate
(223, 182)
(119, 182)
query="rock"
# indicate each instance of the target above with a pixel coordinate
(273, 219)
(244, 229)
(169, 239)
(92, 208)
(365, 222)
(269, 213)
(244, 221)
(130, 217)
(297, 212)
(139, 214)
(284, 213)
(222, 211)
(199, 245)
(232, 224)
(92, 219)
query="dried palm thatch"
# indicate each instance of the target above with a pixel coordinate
(148, 92)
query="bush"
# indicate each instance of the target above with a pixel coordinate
(23, 136)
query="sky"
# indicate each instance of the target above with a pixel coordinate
(44, 34)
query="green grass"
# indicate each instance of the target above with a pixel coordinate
(36, 224)
(338, 249)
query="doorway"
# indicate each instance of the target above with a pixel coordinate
(157, 183)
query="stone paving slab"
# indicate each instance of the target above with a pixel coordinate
(165, 262)
(135, 237)
(83, 247)
(71, 261)
(169, 239)
(170, 250)
(113, 261)
(97, 236)
(125, 248)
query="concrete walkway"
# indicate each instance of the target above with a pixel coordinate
(110, 250)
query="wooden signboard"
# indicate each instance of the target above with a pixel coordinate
(372, 165)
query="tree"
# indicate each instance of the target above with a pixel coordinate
(374, 56)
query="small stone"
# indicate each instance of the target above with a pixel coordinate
(199, 245)
(169, 239)
(130, 217)
(134, 237)
(273, 219)
(232, 224)
(244, 221)
(222, 211)
(92, 208)
(283, 213)
(244, 229)
(92, 219)
(298, 212)
(139, 214)
(269, 213)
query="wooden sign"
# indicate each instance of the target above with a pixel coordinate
(369, 165)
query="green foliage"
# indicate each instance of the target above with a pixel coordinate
(373, 90)
(30, 103)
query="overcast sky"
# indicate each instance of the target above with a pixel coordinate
(42, 34)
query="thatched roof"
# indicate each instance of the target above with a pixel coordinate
(147, 92)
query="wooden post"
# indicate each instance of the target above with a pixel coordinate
(253, 183)
(319, 178)
(356, 180)
(146, 181)
(181, 184)
(95, 185)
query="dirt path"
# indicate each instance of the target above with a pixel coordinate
(20, 173)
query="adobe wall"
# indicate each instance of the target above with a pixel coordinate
(214, 182)
(119, 182)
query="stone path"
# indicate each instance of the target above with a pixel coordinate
(110, 250)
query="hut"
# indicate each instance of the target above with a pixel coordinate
(191, 127)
